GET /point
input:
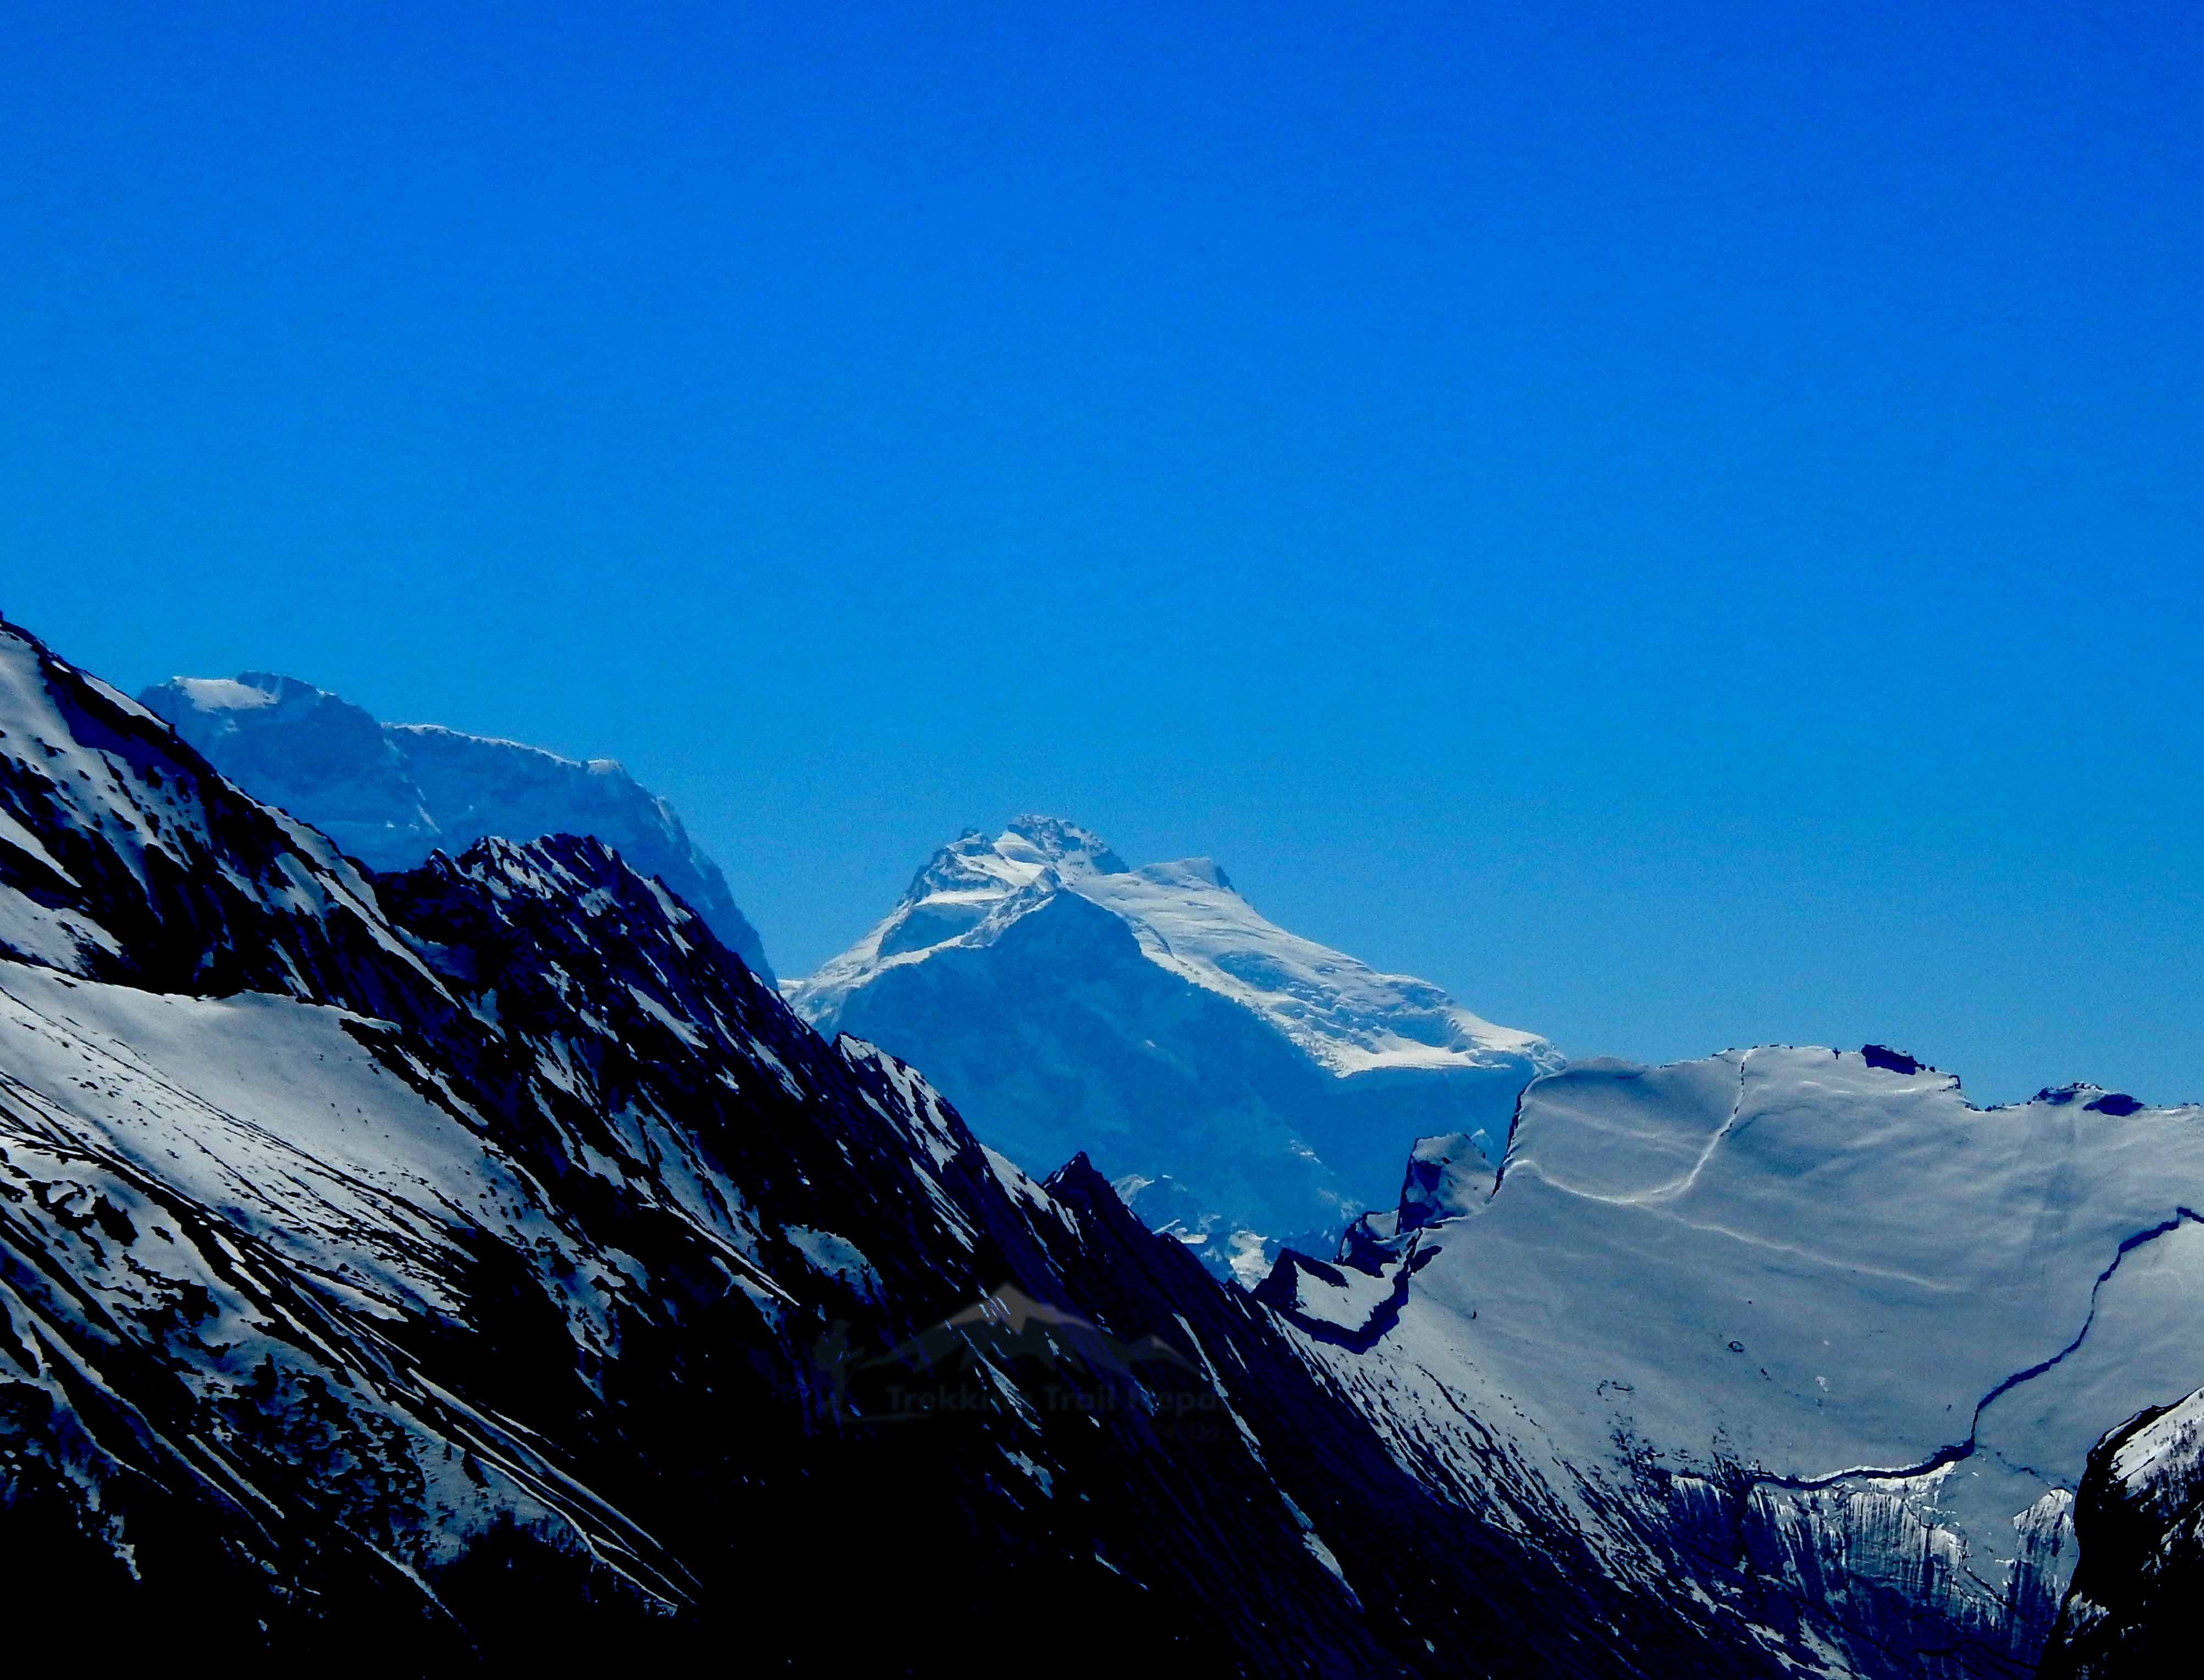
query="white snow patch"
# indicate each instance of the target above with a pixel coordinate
(837, 1257)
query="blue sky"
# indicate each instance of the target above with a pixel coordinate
(1681, 523)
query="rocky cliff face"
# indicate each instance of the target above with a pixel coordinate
(2136, 1607)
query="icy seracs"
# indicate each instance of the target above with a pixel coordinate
(1232, 1076)
(389, 793)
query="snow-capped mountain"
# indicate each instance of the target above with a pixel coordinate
(478, 1264)
(1231, 1075)
(1791, 1326)
(390, 794)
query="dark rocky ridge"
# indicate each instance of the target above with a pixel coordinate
(2136, 1609)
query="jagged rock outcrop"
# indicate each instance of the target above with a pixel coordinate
(2136, 1609)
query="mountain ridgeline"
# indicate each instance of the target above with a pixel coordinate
(476, 1264)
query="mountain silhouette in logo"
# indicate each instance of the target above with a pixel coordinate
(972, 1360)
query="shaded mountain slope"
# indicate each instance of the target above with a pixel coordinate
(2136, 1607)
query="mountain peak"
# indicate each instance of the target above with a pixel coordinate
(248, 691)
(1188, 918)
(1194, 874)
(1153, 997)
(976, 867)
(1065, 845)
(391, 794)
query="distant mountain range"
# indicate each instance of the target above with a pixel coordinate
(1245, 1088)
(476, 1264)
(1244, 1085)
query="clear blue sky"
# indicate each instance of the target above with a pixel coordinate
(1679, 522)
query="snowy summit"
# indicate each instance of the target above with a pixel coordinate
(1234, 1073)
(1189, 919)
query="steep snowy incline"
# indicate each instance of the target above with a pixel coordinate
(389, 793)
(1796, 1305)
(1188, 918)
(1232, 1075)
(1346, 1016)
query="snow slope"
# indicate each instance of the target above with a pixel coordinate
(1810, 1303)
(389, 793)
(1232, 1074)
(1189, 920)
